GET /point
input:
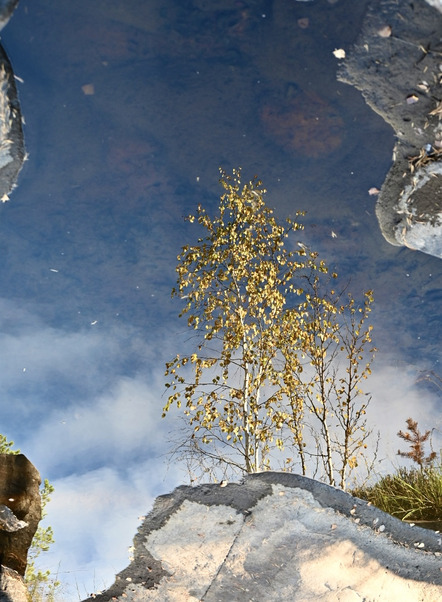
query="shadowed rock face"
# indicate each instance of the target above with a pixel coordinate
(19, 491)
(273, 537)
(396, 65)
(7, 7)
(12, 149)
(12, 587)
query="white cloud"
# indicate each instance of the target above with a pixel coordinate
(397, 396)
(123, 422)
(101, 442)
(95, 517)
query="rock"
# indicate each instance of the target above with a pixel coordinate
(12, 148)
(7, 7)
(436, 3)
(20, 493)
(8, 520)
(396, 68)
(420, 204)
(276, 536)
(12, 587)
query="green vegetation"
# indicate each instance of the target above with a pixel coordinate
(410, 493)
(6, 446)
(41, 585)
(274, 376)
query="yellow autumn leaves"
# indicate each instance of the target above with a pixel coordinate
(262, 318)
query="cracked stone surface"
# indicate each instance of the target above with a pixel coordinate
(281, 537)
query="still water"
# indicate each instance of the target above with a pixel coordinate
(130, 109)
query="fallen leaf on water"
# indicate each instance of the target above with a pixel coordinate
(303, 23)
(384, 32)
(412, 98)
(88, 89)
(423, 85)
(339, 53)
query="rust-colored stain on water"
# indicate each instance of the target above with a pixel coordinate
(305, 124)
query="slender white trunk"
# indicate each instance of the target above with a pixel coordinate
(246, 410)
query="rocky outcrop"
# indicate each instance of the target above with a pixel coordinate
(12, 148)
(20, 513)
(436, 3)
(396, 64)
(20, 509)
(12, 587)
(7, 7)
(276, 536)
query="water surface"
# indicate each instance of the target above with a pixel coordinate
(130, 109)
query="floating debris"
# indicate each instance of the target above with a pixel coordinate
(339, 53)
(88, 89)
(424, 157)
(424, 86)
(373, 191)
(412, 99)
(438, 110)
(385, 32)
(303, 23)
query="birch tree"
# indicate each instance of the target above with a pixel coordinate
(246, 297)
(336, 364)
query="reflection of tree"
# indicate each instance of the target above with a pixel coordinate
(416, 441)
(278, 352)
(431, 377)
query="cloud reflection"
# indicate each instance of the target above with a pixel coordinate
(94, 398)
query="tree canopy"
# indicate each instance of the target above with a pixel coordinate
(254, 297)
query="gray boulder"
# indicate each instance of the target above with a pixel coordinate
(7, 7)
(396, 65)
(275, 537)
(12, 148)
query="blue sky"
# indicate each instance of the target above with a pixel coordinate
(90, 238)
(104, 450)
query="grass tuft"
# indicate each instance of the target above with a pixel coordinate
(409, 494)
